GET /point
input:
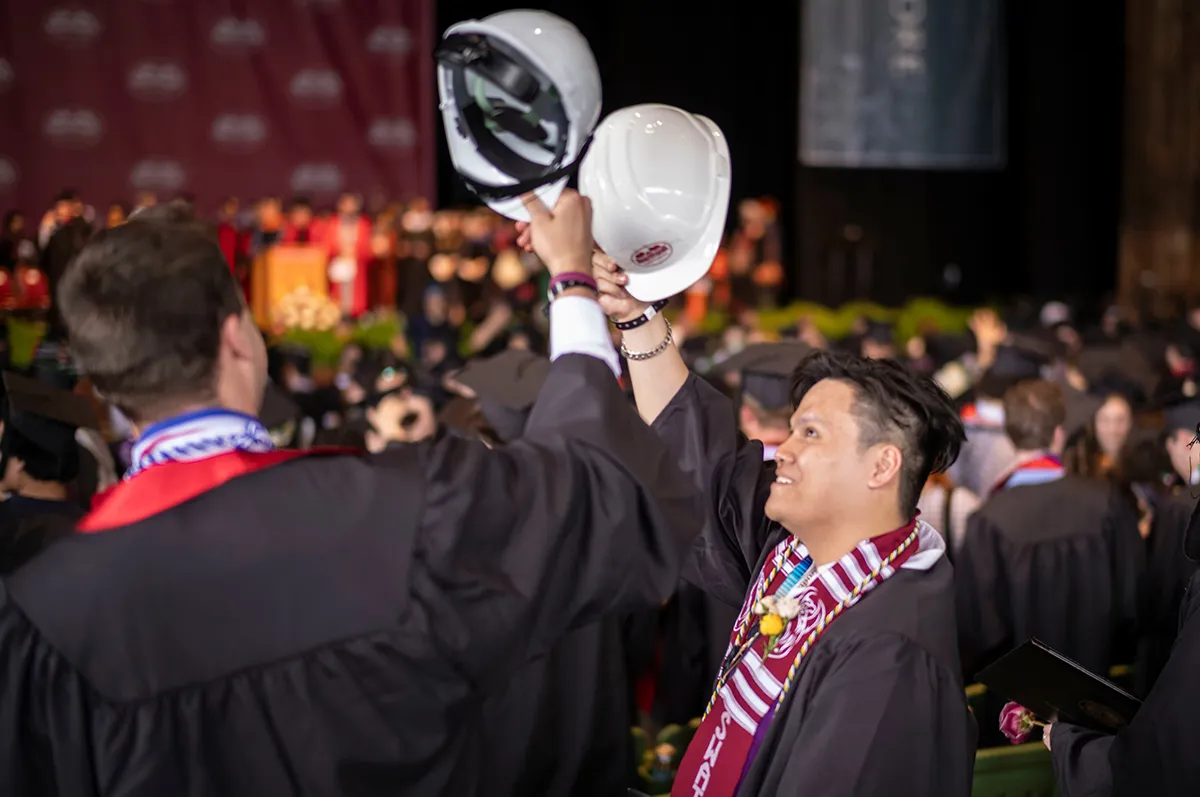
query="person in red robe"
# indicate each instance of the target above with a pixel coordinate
(228, 234)
(302, 226)
(234, 242)
(348, 236)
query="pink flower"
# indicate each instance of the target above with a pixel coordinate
(1016, 722)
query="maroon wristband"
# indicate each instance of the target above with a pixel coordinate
(577, 277)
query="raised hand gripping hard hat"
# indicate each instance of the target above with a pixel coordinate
(519, 93)
(658, 178)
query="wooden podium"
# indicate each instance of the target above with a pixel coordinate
(280, 270)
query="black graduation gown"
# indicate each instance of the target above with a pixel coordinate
(1058, 561)
(1163, 585)
(1156, 753)
(561, 725)
(693, 633)
(331, 625)
(878, 706)
(30, 525)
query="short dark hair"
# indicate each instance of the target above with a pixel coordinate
(177, 211)
(892, 404)
(143, 305)
(1032, 411)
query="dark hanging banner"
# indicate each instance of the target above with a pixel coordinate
(902, 84)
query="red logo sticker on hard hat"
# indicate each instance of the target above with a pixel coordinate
(652, 254)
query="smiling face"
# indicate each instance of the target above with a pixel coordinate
(823, 473)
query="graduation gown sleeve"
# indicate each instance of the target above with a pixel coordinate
(586, 515)
(1081, 761)
(1155, 753)
(885, 719)
(699, 426)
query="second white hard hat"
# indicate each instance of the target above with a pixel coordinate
(658, 178)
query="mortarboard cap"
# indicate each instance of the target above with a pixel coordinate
(460, 414)
(1012, 364)
(278, 408)
(1185, 415)
(1016, 364)
(945, 347)
(1041, 346)
(880, 332)
(45, 415)
(282, 356)
(507, 385)
(1054, 313)
(766, 371)
(1124, 363)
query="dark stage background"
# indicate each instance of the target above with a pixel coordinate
(1045, 225)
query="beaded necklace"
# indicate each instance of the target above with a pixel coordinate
(745, 637)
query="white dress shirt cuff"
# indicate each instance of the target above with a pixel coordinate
(578, 326)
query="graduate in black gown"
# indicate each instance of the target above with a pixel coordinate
(39, 459)
(561, 723)
(1163, 498)
(821, 544)
(1048, 554)
(1155, 754)
(692, 631)
(236, 620)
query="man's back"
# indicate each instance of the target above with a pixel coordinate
(1057, 561)
(330, 625)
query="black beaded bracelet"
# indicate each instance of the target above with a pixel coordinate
(561, 285)
(644, 318)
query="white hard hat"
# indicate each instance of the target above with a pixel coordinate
(519, 93)
(658, 178)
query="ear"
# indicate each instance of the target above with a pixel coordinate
(746, 417)
(234, 336)
(885, 466)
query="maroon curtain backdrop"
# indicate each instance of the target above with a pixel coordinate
(215, 98)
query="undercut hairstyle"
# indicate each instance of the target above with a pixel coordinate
(143, 304)
(892, 405)
(1032, 411)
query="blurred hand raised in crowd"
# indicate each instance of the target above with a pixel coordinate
(990, 331)
(614, 298)
(561, 237)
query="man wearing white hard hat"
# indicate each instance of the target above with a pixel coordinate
(825, 685)
(519, 93)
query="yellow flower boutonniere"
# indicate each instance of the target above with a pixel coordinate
(770, 625)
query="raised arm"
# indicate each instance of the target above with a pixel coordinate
(699, 425)
(585, 514)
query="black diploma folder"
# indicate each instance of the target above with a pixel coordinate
(1055, 688)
